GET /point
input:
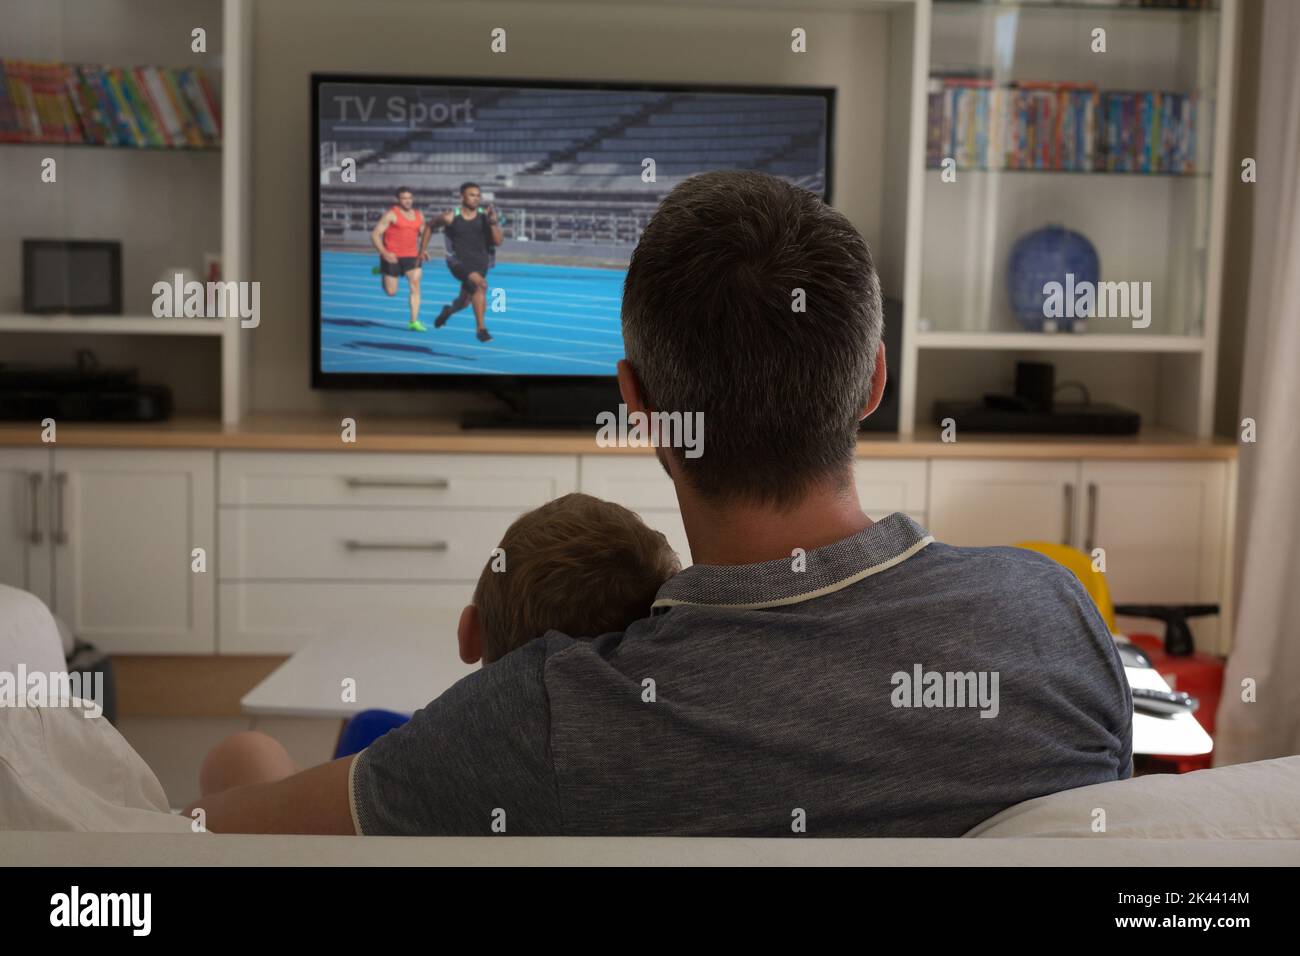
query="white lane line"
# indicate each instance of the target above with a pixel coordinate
(497, 320)
(444, 282)
(429, 361)
(402, 305)
(502, 351)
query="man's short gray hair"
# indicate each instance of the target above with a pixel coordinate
(711, 325)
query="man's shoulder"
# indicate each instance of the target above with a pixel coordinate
(997, 568)
(1021, 590)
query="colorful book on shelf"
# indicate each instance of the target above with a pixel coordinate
(157, 116)
(126, 121)
(27, 121)
(144, 115)
(119, 131)
(47, 106)
(201, 103)
(189, 125)
(1061, 127)
(85, 105)
(121, 106)
(212, 103)
(11, 130)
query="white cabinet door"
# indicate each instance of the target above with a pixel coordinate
(358, 544)
(887, 485)
(369, 480)
(976, 503)
(281, 617)
(639, 483)
(1162, 526)
(125, 526)
(25, 520)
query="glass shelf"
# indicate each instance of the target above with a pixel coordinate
(1033, 6)
(1202, 174)
(1019, 83)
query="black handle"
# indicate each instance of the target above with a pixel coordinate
(1178, 636)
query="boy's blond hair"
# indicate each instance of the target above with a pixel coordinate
(578, 565)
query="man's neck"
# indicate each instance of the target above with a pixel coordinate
(748, 534)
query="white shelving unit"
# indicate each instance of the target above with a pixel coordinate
(1172, 374)
(1171, 369)
(110, 32)
(111, 324)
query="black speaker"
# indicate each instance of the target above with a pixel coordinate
(1035, 385)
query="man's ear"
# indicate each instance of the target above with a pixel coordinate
(878, 379)
(629, 386)
(469, 634)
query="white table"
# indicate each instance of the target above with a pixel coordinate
(405, 673)
(1178, 736)
(393, 673)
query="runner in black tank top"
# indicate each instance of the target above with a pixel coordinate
(472, 235)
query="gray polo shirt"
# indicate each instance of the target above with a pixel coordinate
(883, 685)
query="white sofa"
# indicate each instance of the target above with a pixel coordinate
(61, 772)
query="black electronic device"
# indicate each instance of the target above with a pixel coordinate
(1033, 409)
(72, 276)
(1063, 419)
(85, 392)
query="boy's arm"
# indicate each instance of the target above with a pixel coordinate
(313, 801)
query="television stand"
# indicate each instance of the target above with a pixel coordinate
(547, 406)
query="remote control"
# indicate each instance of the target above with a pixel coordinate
(1162, 703)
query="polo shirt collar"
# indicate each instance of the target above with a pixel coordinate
(827, 569)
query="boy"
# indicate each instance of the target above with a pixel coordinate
(577, 564)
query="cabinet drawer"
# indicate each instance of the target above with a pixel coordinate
(633, 482)
(670, 524)
(358, 544)
(1004, 502)
(884, 486)
(281, 617)
(362, 479)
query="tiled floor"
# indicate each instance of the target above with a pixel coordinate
(175, 746)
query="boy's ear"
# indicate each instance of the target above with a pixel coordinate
(469, 634)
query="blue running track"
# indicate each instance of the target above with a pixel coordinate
(559, 320)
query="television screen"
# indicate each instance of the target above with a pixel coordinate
(481, 230)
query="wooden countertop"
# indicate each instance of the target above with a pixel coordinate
(319, 432)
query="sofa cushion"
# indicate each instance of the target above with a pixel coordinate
(61, 770)
(28, 633)
(1259, 800)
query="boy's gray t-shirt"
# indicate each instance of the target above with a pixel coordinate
(844, 698)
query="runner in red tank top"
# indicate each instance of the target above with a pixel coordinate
(397, 239)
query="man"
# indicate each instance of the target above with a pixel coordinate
(397, 236)
(772, 691)
(472, 237)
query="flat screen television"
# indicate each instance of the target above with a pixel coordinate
(568, 174)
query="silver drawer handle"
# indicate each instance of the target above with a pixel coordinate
(1091, 542)
(352, 545)
(60, 535)
(436, 484)
(1068, 537)
(36, 536)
